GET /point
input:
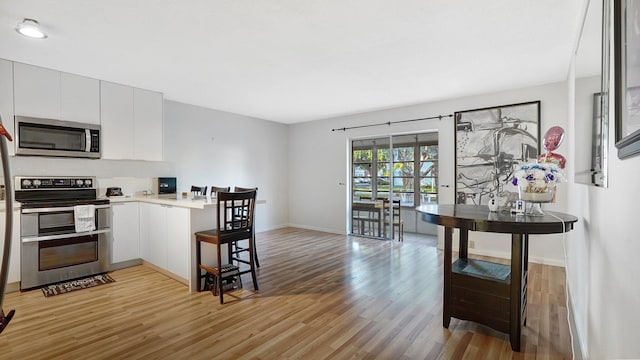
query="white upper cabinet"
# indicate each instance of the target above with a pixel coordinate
(116, 113)
(6, 99)
(148, 125)
(131, 123)
(36, 91)
(52, 94)
(131, 119)
(79, 98)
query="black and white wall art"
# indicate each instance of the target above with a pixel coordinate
(490, 144)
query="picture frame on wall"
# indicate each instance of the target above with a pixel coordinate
(491, 143)
(626, 23)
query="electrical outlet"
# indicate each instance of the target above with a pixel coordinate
(472, 244)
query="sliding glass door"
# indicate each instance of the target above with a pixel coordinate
(389, 174)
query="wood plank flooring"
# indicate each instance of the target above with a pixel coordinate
(321, 296)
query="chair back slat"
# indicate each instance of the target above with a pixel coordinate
(199, 190)
(235, 213)
(243, 189)
(217, 189)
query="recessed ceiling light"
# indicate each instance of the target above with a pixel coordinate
(30, 28)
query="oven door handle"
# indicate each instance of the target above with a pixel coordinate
(63, 236)
(57, 209)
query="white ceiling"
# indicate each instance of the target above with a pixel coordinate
(293, 60)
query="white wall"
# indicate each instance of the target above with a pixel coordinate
(210, 147)
(319, 157)
(602, 251)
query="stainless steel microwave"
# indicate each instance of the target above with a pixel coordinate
(48, 137)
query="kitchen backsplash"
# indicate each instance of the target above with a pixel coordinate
(130, 186)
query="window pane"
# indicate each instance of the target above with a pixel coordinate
(403, 169)
(429, 152)
(428, 199)
(383, 169)
(406, 198)
(362, 156)
(361, 170)
(362, 184)
(402, 185)
(383, 155)
(428, 168)
(383, 184)
(403, 154)
(428, 185)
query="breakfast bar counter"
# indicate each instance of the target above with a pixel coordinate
(166, 228)
(171, 201)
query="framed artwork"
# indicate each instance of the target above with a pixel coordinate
(490, 144)
(626, 22)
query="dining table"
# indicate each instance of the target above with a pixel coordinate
(368, 214)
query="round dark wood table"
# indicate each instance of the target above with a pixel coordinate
(488, 293)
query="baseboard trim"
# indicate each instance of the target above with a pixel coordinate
(316, 228)
(576, 344)
(126, 264)
(165, 272)
(12, 287)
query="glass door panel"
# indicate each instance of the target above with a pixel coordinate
(371, 171)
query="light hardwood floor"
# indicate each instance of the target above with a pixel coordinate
(321, 296)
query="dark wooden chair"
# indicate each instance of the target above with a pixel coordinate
(231, 228)
(217, 189)
(392, 208)
(241, 189)
(237, 249)
(198, 191)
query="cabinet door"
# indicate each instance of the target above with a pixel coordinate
(36, 91)
(125, 229)
(148, 125)
(178, 241)
(6, 100)
(80, 98)
(116, 113)
(158, 235)
(145, 223)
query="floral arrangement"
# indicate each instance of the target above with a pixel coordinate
(537, 177)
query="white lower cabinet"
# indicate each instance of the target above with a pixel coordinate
(165, 237)
(178, 241)
(125, 241)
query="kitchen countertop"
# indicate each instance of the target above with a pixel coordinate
(170, 201)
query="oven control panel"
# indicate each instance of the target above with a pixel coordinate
(48, 183)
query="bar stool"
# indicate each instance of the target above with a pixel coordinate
(230, 228)
(238, 249)
(198, 191)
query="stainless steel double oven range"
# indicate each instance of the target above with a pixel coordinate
(51, 248)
